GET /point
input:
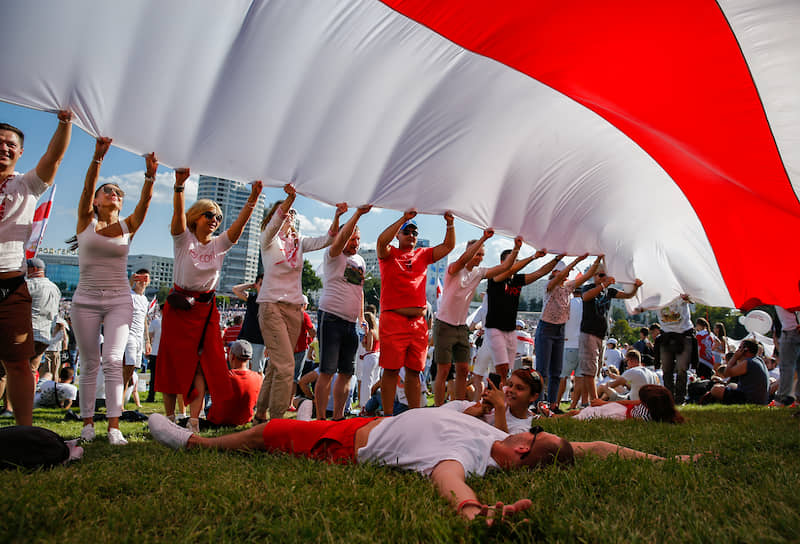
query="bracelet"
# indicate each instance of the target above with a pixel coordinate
(98, 161)
(451, 226)
(467, 502)
(62, 122)
(179, 188)
(151, 179)
(250, 204)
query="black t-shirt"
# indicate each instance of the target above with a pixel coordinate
(595, 312)
(250, 329)
(501, 312)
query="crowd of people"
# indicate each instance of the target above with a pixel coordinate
(489, 387)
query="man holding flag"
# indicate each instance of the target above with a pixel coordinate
(18, 196)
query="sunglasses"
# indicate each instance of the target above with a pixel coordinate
(601, 275)
(409, 232)
(211, 215)
(109, 190)
(535, 430)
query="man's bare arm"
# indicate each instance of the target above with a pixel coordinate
(542, 271)
(470, 252)
(48, 165)
(385, 238)
(449, 239)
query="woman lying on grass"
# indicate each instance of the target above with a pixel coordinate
(655, 404)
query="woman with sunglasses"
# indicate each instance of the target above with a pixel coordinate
(103, 296)
(191, 354)
(280, 299)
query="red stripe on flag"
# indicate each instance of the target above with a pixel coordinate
(42, 212)
(669, 75)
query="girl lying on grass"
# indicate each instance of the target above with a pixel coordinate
(655, 404)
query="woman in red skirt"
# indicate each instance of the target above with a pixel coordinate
(191, 354)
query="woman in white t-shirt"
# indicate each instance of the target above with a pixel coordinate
(280, 299)
(191, 355)
(103, 296)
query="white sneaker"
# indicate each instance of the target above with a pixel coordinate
(115, 437)
(87, 433)
(168, 433)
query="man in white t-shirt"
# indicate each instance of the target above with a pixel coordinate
(340, 307)
(18, 196)
(138, 334)
(445, 445)
(450, 330)
(633, 378)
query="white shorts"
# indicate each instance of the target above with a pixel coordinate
(134, 350)
(483, 360)
(502, 346)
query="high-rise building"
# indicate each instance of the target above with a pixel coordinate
(370, 257)
(160, 268)
(241, 262)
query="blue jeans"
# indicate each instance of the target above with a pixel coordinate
(549, 345)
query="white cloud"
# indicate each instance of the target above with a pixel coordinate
(131, 183)
(314, 226)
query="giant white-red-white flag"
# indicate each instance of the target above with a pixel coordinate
(40, 217)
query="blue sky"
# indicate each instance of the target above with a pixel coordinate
(153, 238)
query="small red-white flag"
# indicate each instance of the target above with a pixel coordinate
(151, 308)
(438, 288)
(40, 217)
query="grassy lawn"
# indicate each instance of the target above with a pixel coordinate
(145, 492)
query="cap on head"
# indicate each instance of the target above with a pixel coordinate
(410, 224)
(305, 300)
(36, 262)
(612, 341)
(520, 323)
(242, 349)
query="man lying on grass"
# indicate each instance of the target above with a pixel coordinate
(443, 444)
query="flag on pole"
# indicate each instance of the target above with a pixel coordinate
(151, 308)
(40, 217)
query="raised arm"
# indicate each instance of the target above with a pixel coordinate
(469, 253)
(385, 238)
(178, 224)
(136, 219)
(51, 160)
(344, 234)
(508, 262)
(519, 265)
(597, 289)
(636, 284)
(241, 290)
(580, 280)
(450, 481)
(236, 228)
(85, 210)
(449, 238)
(561, 276)
(542, 271)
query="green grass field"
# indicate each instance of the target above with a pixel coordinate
(144, 492)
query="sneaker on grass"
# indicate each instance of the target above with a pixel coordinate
(87, 433)
(115, 437)
(167, 432)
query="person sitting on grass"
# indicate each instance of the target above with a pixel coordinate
(237, 409)
(633, 378)
(52, 394)
(655, 403)
(752, 379)
(444, 445)
(508, 409)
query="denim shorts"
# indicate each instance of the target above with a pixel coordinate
(338, 343)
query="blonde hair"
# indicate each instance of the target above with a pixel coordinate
(199, 208)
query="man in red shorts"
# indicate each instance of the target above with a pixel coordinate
(445, 445)
(403, 330)
(18, 196)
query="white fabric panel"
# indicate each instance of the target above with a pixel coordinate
(353, 102)
(768, 32)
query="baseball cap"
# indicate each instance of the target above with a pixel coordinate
(36, 262)
(612, 341)
(520, 323)
(305, 299)
(242, 349)
(410, 223)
